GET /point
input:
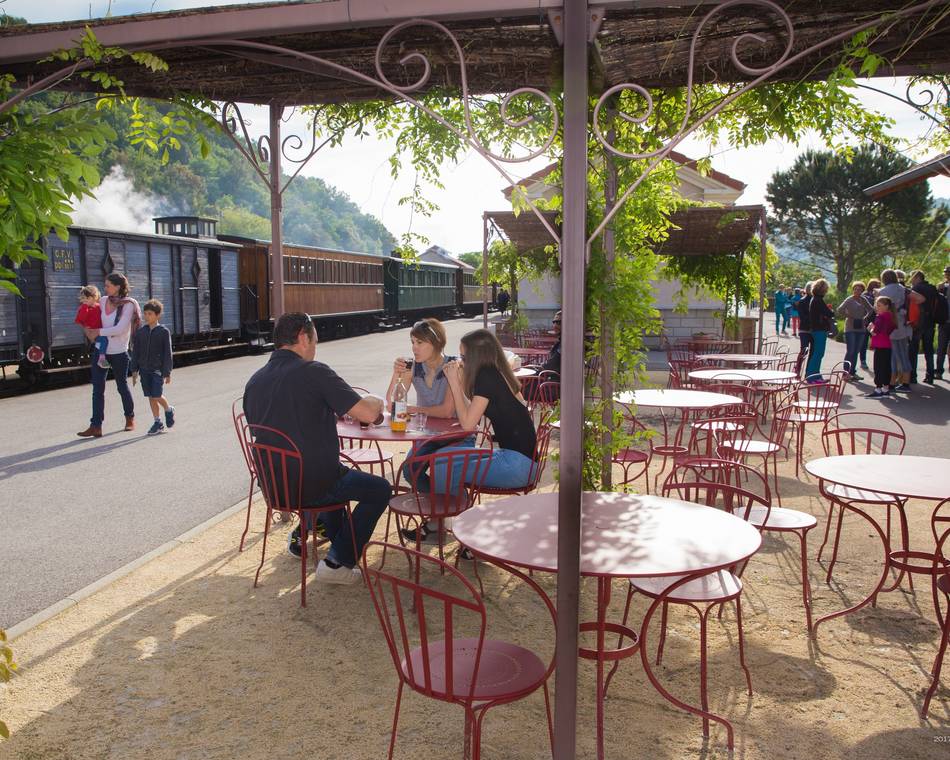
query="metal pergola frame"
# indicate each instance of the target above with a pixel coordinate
(575, 23)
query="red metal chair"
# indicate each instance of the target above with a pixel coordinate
(631, 456)
(438, 644)
(814, 405)
(549, 396)
(940, 575)
(850, 433)
(679, 373)
(767, 447)
(279, 467)
(542, 444)
(463, 472)
(689, 481)
(244, 439)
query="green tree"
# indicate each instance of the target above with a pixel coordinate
(48, 155)
(819, 206)
(472, 258)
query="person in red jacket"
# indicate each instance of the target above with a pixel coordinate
(90, 315)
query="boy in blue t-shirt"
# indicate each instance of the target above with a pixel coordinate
(152, 360)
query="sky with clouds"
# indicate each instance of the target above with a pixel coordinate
(361, 169)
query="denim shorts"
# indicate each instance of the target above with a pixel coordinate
(152, 383)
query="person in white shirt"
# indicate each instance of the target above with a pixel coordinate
(121, 316)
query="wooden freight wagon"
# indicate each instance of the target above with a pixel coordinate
(195, 278)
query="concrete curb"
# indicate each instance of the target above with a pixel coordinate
(73, 599)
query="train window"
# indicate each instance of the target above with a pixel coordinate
(322, 270)
(311, 270)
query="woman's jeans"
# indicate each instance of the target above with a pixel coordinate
(863, 350)
(422, 483)
(818, 340)
(853, 342)
(900, 357)
(371, 494)
(506, 469)
(120, 367)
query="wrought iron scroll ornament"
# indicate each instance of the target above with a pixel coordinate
(935, 95)
(759, 74)
(258, 152)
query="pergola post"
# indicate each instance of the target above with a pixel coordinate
(276, 216)
(573, 265)
(762, 252)
(485, 269)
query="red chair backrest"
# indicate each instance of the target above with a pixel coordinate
(549, 394)
(719, 428)
(459, 473)
(716, 482)
(244, 437)
(862, 433)
(279, 467)
(541, 446)
(421, 623)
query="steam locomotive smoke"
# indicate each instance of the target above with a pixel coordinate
(117, 205)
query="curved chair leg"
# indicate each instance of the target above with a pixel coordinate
(831, 513)
(247, 520)
(303, 560)
(774, 456)
(938, 664)
(834, 552)
(703, 695)
(392, 738)
(659, 648)
(748, 675)
(806, 585)
(257, 575)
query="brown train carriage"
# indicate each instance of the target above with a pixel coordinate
(470, 291)
(336, 288)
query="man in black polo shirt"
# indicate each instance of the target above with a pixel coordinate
(553, 362)
(923, 336)
(302, 398)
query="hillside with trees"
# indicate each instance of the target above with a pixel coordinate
(221, 184)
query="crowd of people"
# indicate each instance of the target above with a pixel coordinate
(899, 319)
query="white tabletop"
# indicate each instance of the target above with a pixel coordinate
(738, 375)
(525, 372)
(675, 397)
(622, 535)
(913, 477)
(741, 358)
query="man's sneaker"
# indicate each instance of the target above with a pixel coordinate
(877, 394)
(902, 387)
(342, 575)
(865, 367)
(157, 427)
(293, 542)
(929, 380)
(170, 417)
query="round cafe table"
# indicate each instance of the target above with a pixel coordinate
(622, 536)
(902, 477)
(741, 358)
(682, 399)
(739, 375)
(383, 432)
(528, 353)
(678, 398)
(525, 372)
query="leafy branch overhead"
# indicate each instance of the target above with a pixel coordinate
(49, 149)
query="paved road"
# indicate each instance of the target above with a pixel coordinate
(74, 510)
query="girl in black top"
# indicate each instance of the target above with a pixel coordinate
(482, 383)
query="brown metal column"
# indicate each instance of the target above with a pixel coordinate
(573, 247)
(484, 270)
(762, 252)
(276, 216)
